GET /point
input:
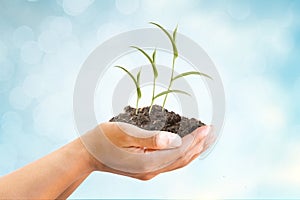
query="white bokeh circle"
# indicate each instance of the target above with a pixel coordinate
(49, 41)
(76, 7)
(127, 7)
(31, 52)
(33, 86)
(3, 51)
(98, 61)
(240, 10)
(62, 26)
(7, 70)
(21, 35)
(11, 121)
(18, 99)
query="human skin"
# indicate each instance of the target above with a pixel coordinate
(58, 174)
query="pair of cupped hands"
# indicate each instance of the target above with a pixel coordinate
(125, 149)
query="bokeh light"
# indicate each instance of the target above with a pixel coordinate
(127, 7)
(49, 41)
(3, 51)
(18, 99)
(11, 122)
(254, 44)
(239, 11)
(21, 35)
(31, 88)
(76, 7)
(31, 52)
(7, 70)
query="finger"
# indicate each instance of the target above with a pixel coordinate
(160, 140)
(189, 161)
(162, 158)
(165, 158)
(203, 139)
(188, 157)
(198, 135)
(202, 134)
(180, 163)
(203, 146)
(148, 162)
(150, 139)
(212, 139)
(110, 138)
(179, 166)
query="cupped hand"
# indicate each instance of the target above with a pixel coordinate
(125, 149)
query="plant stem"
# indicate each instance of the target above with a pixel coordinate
(171, 81)
(153, 93)
(137, 105)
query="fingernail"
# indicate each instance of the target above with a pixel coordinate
(171, 140)
(205, 131)
(174, 140)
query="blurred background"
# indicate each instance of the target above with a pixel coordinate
(254, 44)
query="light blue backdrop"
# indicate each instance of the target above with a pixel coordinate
(255, 45)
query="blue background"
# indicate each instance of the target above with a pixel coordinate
(255, 45)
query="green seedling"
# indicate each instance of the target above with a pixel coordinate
(171, 91)
(137, 85)
(172, 39)
(154, 69)
(152, 60)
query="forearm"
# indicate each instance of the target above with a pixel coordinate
(72, 187)
(49, 176)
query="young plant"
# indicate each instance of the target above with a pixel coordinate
(154, 69)
(152, 60)
(137, 85)
(172, 39)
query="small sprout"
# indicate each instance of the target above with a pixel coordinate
(175, 34)
(137, 85)
(191, 73)
(154, 69)
(152, 60)
(171, 91)
(172, 39)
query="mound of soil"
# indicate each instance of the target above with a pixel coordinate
(158, 119)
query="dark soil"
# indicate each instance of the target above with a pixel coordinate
(158, 120)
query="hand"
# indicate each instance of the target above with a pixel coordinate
(118, 148)
(125, 149)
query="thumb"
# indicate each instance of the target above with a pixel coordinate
(150, 139)
(159, 140)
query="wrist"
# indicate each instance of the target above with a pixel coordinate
(83, 156)
(91, 163)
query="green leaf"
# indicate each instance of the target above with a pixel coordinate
(175, 51)
(132, 77)
(136, 81)
(175, 33)
(191, 73)
(154, 55)
(138, 89)
(150, 60)
(139, 93)
(138, 76)
(155, 72)
(171, 91)
(143, 52)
